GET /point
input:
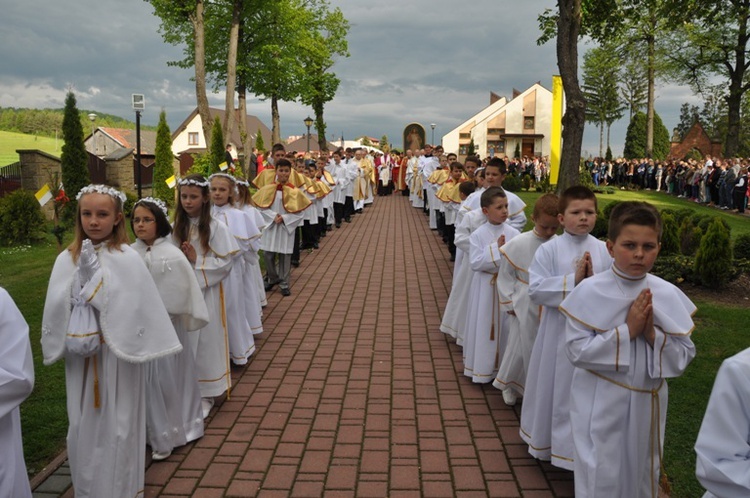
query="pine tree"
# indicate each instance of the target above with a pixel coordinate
(74, 158)
(472, 148)
(713, 261)
(670, 240)
(217, 146)
(259, 142)
(163, 168)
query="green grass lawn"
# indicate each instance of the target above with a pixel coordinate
(720, 332)
(10, 142)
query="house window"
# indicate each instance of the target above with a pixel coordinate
(496, 131)
(463, 150)
(528, 123)
(464, 136)
(496, 147)
(193, 138)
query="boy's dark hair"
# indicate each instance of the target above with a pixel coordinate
(456, 164)
(467, 188)
(163, 228)
(473, 159)
(283, 162)
(576, 193)
(498, 163)
(277, 147)
(489, 196)
(633, 213)
(547, 204)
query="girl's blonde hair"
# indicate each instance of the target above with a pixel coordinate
(119, 232)
(181, 232)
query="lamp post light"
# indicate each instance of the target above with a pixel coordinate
(433, 125)
(92, 118)
(308, 122)
(139, 104)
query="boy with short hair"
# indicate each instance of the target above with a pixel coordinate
(451, 201)
(281, 205)
(485, 338)
(558, 266)
(627, 331)
(513, 289)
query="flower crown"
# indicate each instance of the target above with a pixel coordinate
(159, 203)
(101, 189)
(244, 183)
(223, 175)
(184, 182)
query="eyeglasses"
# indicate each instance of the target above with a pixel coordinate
(145, 221)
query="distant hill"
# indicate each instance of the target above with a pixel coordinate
(10, 142)
(47, 122)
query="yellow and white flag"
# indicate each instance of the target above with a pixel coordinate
(223, 166)
(171, 181)
(44, 195)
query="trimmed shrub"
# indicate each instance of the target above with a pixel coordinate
(690, 237)
(674, 268)
(607, 210)
(512, 183)
(601, 227)
(742, 247)
(21, 219)
(703, 221)
(713, 261)
(584, 178)
(526, 182)
(670, 240)
(130, 200)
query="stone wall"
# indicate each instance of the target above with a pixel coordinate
(698, 139)
(38, 168)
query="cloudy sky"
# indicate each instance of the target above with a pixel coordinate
(422, 60)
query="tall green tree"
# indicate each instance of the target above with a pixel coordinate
(714, 42)
(163, 165)
(603, 106)
(74, 158)
(636, 145)
(217, 146)
(384, 145)
(688, 117)
(633, 84)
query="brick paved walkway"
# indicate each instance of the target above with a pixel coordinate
(354, 391)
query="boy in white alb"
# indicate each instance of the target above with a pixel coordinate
(723, 446)
(513, 289)
(485, 339)
(558, 267)
(281, 205)
(627, 332)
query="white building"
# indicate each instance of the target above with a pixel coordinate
(525, 121)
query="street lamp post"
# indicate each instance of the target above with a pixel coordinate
(433, 125)
(139, 104)
(92, 118)
(308, 122)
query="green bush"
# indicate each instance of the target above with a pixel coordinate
(703, 221)
(21, 219)
(607, 210)
(512, 183)
(543, 184)
(130, 200)
(713, 261)
(742, 247)
(670, 240)
(674, 268)
(690, 237)
(584, 178)
(526, 182)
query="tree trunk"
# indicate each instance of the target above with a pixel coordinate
(574, 120)
(609, 127)
(234, 29)
(736, 90)
(320, 125)
(651, 40)
(249, 169)
(601, 139)
(200, 71)
(275, 131)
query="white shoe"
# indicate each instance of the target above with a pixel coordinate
(509, 397)
(206, 405)
(156, 456)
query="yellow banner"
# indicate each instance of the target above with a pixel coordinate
(555, 145)
(171, 181)
(44, 195)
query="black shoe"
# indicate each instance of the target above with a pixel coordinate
(348, 220)
(269, 285)
(330, 227)
(294, 264)
(286, 292)
(453, 257)
(315, 245)
(338, 224)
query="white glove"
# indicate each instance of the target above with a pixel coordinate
(88, 262)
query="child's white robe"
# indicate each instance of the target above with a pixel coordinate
(545, 413)
(173, 398)
(279, 237)
(106, 443)
(243, 312)
(210, 344)
(486, 334)
(16, 383)
(723, 445)
(456, 309)
(252, 259)
(523, 324)
(516, 206)
(618, 406)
